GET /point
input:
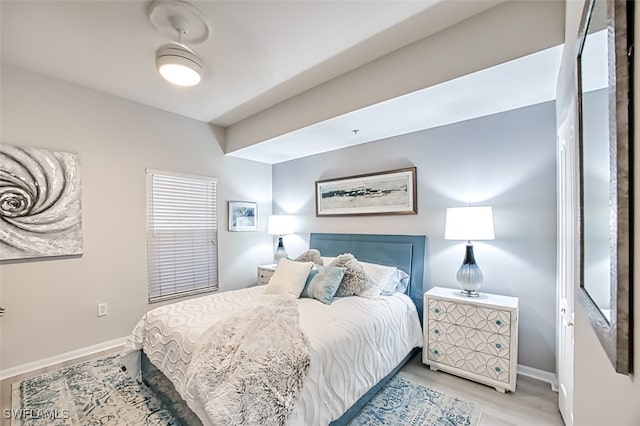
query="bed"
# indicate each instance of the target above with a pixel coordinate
(368, 342)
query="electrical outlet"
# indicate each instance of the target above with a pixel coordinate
(103, 309)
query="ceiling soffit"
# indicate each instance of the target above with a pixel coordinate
(508, 31)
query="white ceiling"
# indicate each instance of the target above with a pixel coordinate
(254, 47)
(262, 52)
(492, 90)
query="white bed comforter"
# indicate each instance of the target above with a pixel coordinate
(355, 342)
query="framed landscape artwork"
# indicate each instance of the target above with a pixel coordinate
(243, 216)
(381, 193)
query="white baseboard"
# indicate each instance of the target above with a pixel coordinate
(544, 376)
(67, 356)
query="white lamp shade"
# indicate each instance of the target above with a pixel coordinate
(469, 223)
(280, 225)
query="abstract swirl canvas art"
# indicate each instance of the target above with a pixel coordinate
(40, 203)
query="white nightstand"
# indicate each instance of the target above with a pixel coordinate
(265, 272)
(475, 338)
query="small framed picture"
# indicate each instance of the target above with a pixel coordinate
(243, 216)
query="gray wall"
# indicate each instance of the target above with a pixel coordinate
(506, 161)
(51, 303)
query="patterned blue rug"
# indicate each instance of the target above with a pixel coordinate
(98, 392)
(403, 402)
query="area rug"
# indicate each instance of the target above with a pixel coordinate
(403, 402)
(98, 392)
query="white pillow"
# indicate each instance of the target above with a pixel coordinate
(289, 277)
(327, 260)
(378, 277)
(397, 283)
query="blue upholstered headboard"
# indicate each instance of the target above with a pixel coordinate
(406, 252)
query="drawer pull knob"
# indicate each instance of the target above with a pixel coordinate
(436, 310)
(498, 345)
(436, 331)
(498, 322)
(498, 369)
(436, 352)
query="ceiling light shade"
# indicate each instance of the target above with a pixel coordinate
(179, 65)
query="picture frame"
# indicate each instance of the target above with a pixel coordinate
(389, 192)
(243, 216)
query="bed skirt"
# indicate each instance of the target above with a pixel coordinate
(165, 391)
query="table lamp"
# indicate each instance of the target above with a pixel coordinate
(280, 225)
(469, 223)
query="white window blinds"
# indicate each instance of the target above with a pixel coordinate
(182, 255)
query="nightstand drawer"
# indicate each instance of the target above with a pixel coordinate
(265, 273)
(470, 338)
(479, 363)
(264, 277)
(496, 321)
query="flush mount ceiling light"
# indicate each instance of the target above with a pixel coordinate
(182, 23)
(179, 65)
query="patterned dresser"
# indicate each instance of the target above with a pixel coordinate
(475, 338)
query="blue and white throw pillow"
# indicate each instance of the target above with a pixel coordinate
(323, 283)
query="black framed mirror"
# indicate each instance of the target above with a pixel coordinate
(605, 108)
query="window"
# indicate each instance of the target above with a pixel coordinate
(182, 254)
